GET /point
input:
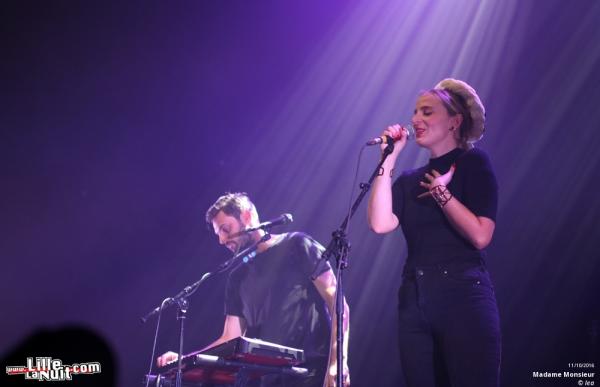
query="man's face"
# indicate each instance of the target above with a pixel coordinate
(226, 227)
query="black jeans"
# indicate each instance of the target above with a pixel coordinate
(449, 329)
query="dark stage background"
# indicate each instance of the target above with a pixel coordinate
(122, 122)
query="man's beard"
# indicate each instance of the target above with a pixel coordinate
(243, 241)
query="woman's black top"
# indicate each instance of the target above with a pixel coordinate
(430, 237)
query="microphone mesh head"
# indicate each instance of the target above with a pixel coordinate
(410, 130)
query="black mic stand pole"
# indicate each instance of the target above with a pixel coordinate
(339, 247)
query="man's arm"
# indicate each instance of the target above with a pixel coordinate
(326, 285)
(234, 327)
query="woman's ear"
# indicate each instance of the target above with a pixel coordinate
(456, 121)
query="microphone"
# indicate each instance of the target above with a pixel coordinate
(279, 221)
(390, 140)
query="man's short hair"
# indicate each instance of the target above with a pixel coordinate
(231, 204)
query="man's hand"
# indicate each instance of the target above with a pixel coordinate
(166, 358)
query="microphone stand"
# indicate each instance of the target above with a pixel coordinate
(181, 298)
(339, 247)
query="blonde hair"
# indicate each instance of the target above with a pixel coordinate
(463, 99)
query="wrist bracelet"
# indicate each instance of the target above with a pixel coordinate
(441, 195)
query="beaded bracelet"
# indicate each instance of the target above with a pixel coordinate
(441, 195)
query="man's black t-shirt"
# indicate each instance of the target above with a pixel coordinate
(430, 238)
(276, 297)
